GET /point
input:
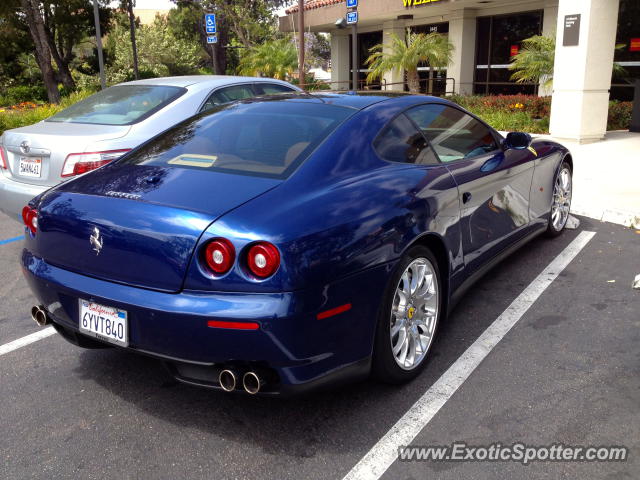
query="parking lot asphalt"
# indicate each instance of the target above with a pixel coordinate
(568, 372)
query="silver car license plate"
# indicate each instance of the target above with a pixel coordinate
(30, 167)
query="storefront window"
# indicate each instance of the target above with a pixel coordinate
(366, 41)
(436, 84)
(498, 38)
(627, 56)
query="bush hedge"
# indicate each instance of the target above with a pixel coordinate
(530, 113)
(28, 113)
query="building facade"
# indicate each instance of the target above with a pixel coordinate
(486, 34)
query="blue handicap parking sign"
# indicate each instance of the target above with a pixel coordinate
(210, 22)
(352, 3)
(352, 17)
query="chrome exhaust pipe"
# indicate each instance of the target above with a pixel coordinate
(227, 380)
(252, 382)
(39, 315)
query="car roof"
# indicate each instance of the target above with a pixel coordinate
(209, 80)
(350, 99)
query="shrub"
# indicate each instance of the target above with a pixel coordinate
(23, 93)
(530, 113)
(10, 118)
(619, 117)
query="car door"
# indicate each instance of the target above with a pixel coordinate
(493, 184)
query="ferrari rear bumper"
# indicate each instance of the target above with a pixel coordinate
(303, 350)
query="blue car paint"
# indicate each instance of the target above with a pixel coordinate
(341, 222)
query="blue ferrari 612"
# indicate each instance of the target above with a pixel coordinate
(280, 244)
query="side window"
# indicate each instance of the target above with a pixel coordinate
(271, 88)
(228, 94)
(401, 142)
(452, 133)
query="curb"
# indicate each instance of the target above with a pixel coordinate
(620, 217)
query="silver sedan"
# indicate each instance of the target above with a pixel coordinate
(106, 125)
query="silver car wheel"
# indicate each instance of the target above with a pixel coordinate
(561, 199)
(414, 313)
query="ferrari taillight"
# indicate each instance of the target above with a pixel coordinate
(263, 259)
(30, 219)
(79, 163)
(220, 255)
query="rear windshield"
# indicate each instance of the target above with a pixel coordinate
(268, 138)
(119, 105)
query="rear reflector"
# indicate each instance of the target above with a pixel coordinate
(233, 325)
(3, 159)
(333, 311)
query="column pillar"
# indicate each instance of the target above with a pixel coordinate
(549, 24)
(582, 73)
(339, 60)
(394, 78)
(462, 33)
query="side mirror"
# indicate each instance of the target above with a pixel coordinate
(517, 140)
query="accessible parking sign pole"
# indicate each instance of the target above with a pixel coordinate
(211, 31)
(352, 19)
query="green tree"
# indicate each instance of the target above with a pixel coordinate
(407, 54)
(535, 60)
(275, 59)
(160, 53)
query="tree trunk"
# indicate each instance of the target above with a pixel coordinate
(42, 50)
(64, 74)
(413, 80)
(63, 67)
(132, 31)
(217, 51)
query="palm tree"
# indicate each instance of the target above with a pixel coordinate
(407, 54)
(534, 62)
(275, 59)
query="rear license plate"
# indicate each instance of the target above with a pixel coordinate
(30, 167)
(106, 323)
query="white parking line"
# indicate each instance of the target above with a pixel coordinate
(24, 341)
(373, 465)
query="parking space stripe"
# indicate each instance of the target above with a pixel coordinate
(373, 465)
(9, 240)
(24, 341)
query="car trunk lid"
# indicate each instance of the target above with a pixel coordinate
(41, 149)
(121, 226)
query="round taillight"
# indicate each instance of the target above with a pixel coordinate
(30, 218)
(220, 255)
(263, 259)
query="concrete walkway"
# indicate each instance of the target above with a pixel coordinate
(606, 178)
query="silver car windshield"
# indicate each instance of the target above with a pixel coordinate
(119, 105)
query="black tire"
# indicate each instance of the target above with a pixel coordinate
(555, 230)
(384, 365)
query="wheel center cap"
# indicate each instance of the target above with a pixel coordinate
(411, 312)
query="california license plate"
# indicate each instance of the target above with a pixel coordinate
(103, 322)
(30, 167)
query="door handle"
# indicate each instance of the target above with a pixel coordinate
(466, 196)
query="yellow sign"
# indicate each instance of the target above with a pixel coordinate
(415, 3)
(193, 160)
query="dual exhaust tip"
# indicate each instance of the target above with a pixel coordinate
(39, 315)
(252, 382)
